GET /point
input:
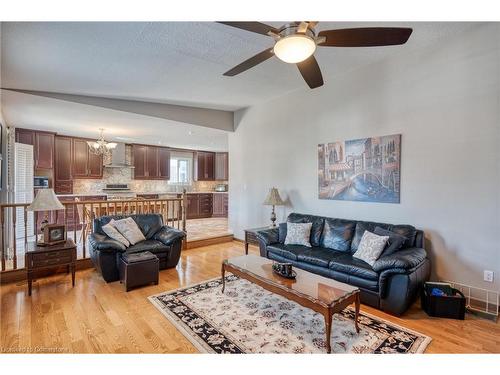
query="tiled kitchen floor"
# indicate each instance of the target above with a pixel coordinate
(198, 229)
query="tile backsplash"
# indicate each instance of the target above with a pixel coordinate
(125, 176)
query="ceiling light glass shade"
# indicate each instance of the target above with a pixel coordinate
(294, 48)
(101, 147)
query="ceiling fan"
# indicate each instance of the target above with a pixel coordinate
(295, 43)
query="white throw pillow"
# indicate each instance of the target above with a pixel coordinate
(298, 234)
(370, 247)
(129, 229)
(113, 233)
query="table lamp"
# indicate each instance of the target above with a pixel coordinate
(273, 199)
(45, 200)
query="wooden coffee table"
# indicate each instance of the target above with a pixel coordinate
(318, 293)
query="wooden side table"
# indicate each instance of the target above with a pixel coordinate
(43, 257)
(251, 237)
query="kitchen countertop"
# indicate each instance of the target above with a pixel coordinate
(140, 193)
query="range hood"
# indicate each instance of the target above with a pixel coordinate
(118, 158)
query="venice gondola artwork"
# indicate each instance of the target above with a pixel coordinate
(365, 170)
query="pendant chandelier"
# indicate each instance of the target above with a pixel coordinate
(101, 147)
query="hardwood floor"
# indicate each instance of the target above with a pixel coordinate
(96, 317)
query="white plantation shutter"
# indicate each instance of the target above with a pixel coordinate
(23, 185)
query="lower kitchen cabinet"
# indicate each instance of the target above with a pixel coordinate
(220, 205)
(199, 205)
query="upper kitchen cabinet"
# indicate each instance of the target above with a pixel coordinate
(63, 152)
(204, 166)
(44, 150)
(80, 158)
(43, 146)
(139, 156)
(151, 163)
(164, 163)
(25, 136)
(222, 166)
(85, 164)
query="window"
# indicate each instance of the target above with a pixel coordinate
(180, 170)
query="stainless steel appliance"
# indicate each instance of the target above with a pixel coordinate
(118, 192)
(40, 182)
(220, 187)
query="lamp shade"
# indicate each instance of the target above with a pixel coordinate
(45, 200)
(273, 198)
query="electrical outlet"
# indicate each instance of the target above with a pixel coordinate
(488, 276)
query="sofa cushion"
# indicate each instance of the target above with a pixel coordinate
(394, 243)
(152, 246)
(361, 227)
(371, 247)
(298, 234)
(318, 256)
(113, 233)
(286, 251)
(347, 264)
(129, 229)
(407, 231)
(337, 234)
(317, 225)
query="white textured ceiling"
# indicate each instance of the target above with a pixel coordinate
(171, 62)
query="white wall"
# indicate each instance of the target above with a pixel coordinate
(444, 100)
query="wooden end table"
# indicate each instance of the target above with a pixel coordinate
(251, 237)
(43, 257)
(323, 295)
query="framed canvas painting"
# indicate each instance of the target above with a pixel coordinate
(365, 170)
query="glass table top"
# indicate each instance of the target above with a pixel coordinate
(314, 286)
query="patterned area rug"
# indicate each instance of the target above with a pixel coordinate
(249, 319)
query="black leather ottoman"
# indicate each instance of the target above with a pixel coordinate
(138, 269)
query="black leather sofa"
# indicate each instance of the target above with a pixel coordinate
(390, 285)
(163, 241)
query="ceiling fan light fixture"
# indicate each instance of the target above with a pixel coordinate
(294, 48)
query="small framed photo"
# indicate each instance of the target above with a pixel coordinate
(54, 234)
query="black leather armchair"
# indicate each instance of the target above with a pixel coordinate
(390, 285)
(163, 241)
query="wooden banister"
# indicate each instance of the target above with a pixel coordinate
(77, 216)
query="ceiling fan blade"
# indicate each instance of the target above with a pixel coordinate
(365, 37)
(251, 62)
(256, 27)
(311, 72)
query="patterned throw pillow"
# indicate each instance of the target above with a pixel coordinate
(113, 233)
(129, 229)
(298, 234)
(370, 247)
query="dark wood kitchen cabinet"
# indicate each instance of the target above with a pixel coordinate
(204, 166)
(63, 151)
(25, 136)
(85, 164)
(220, 205)
(199, 205)
(43, 146)
(164, 163)
(193, 209)
(151, 163)
(44, 150)
(205, 205)
(95, 166)
(221, 166)
(139, 155)
(80, 158)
